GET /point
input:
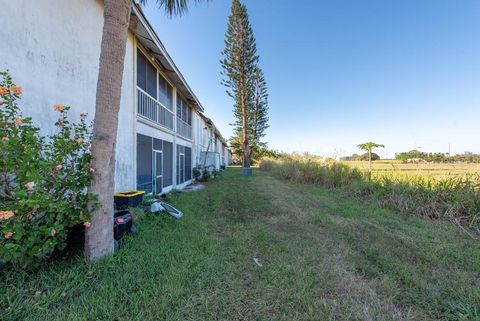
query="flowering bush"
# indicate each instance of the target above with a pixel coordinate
(43, 180)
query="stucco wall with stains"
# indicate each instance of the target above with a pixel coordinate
(52, 49)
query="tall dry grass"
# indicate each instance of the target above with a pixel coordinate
(311, 170)
(454, 198)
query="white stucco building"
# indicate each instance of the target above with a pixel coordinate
(52, 50)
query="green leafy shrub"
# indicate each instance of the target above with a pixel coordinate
(197, 172)
(43, 180)
(203, 174)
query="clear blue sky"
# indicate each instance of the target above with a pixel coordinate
(402, 73)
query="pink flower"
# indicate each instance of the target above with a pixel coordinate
(60, 122)
(18, 121)
(30, 186)
(5, 138)
(92, 170)
(56, 170)
(87, 224)
(53, 232)
(8, 235)
(79, 141)
(83, 115)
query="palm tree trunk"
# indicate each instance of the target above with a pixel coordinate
(99, 237)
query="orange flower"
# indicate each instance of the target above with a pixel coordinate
(3, 91)
(16, 90)
(79, 141)
(5, 215)
(8, 235)
(59, 107)
(18, 121)
(87, 224)
(5, 138)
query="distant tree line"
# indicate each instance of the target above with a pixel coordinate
(361, 157)
(260, 152)
(466, 157)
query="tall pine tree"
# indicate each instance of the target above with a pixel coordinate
(239, 63)
(259, 114)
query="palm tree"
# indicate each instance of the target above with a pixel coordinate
(368, 146)
(99, 237)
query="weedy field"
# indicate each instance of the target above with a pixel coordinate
(401, 169)
(452, 193)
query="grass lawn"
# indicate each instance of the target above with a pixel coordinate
(324, 257)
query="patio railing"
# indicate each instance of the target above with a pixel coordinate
(151, 109)
(184, 129)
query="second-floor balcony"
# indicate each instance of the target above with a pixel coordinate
(149, 108)
(184, 129)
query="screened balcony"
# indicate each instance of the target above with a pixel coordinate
(154, 94)
(151, 109)
(184, 129)
(184, 118)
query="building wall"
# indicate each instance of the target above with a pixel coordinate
(56, 61)
(198, 138)
(227, 156)
(51, 58)
(201, 139)
(125, 165)
(52, 50)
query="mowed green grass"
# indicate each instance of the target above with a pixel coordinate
(323, 256)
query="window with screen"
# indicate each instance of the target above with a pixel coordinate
(144, 163)
(167, 164)
(146, 75)
(179, 106)
(183, 111)
(188, 163)
(165, 93)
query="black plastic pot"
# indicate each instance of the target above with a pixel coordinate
(122, 223)
(128, 198)
(76, 237)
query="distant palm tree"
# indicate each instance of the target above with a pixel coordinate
(99, 237)
(368, 146)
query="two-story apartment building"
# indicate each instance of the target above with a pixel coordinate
(52, 49)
